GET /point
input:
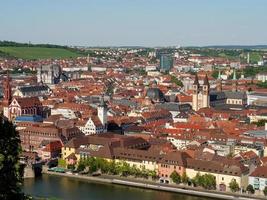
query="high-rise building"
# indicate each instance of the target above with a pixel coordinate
(166, 62)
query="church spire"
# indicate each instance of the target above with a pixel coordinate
(234, 88)
(7, 89)
(206, 81)
(196, 82)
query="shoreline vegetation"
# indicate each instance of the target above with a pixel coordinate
(152, 185)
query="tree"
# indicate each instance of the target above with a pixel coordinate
(113, 168)
(153, 175)
(142, 72)
(176, 81)
(265, 191)
(184, 178)
(197, 180)
(215, 74)
(260, 122)
(208, 182)
(176, 178)
(119, 59)
(91, 162)
(81, 166)
(233, 185)
(250, 189)
(10, 171)
(125, 169)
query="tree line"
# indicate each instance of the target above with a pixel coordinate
(17, 44)
(91, 165)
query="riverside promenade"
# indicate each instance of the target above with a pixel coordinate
(132, 182)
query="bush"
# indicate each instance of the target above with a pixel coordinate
(71, 167)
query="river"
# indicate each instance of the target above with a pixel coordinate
(65, 188)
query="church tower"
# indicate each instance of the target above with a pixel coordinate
(206, 93)
(195, 93)
(201, 94)
(102, 112)
(234, 82)
(219, 83)
(7, 96)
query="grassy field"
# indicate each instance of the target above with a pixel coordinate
(38, 52)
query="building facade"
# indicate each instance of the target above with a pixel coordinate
(48, 74)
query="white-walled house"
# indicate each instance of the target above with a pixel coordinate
(92, 126)
(258, 178)
(95, 124)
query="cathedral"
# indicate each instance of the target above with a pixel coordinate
(201, 94)
(218, 98)
(17, 106)
(48, 74)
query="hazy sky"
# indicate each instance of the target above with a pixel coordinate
(134, 22)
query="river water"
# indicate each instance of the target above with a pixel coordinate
(64, 188)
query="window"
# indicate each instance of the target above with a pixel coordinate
(222, 178)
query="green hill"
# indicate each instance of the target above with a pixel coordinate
(38, 52)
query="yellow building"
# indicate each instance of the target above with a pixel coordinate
(224, 170)
(142, 159)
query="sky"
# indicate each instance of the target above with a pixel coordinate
(135, 22)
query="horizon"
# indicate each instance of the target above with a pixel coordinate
(151, 23)
(139, 46)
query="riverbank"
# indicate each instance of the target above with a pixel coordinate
(159, 187)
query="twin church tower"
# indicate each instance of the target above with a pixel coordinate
(201, 94)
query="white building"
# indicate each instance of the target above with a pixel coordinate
(257, 98)
(258, 178)
(96, 124)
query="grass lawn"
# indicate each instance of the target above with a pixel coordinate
(38, 52)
